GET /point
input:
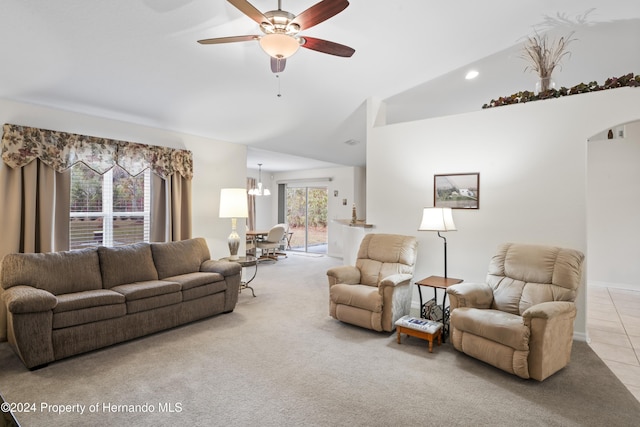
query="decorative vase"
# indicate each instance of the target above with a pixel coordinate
(544, 84)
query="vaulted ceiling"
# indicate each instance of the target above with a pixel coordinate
(138, 61)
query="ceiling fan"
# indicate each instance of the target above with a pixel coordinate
(281, 38)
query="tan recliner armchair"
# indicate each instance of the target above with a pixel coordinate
(376, 291)
(521, 319)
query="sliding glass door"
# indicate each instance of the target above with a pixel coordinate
(306, 210)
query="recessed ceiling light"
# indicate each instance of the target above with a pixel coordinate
(471, 75)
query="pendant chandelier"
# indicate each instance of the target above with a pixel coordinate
(259, 191)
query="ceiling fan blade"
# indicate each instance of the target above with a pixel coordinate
(248, 9)
(232, 39)
(326, 46)
(278, 64)
(319, 12)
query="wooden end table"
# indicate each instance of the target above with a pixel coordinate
(438, 282)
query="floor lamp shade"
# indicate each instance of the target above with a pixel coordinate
(438, 219)
(233, 204)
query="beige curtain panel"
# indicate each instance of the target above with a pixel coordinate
(251, 203)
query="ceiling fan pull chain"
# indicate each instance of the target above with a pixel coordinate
(278, 77)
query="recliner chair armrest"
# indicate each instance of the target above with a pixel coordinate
(549, 310)
(475, 295)
(395, 280)
(348, 274)
(27, 299)
(551, 326)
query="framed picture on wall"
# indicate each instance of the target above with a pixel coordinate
(457, 191)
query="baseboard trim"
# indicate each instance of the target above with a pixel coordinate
(624, 286)
(581, 336)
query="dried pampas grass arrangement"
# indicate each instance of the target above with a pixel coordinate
(544, 56)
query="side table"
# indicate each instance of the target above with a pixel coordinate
(245, 261)
(437, 282)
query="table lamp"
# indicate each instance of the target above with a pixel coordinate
(438, 219)
(233, 204)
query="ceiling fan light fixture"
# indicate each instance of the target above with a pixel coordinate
(279, 45)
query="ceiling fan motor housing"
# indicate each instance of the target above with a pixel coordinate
(279, 23)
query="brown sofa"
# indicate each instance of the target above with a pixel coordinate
(64, 303)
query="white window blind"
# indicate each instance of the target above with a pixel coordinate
(108, 210)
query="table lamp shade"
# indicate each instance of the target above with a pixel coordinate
(233, 204)
(437, 219)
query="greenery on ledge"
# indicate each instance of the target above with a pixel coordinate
(628, 80)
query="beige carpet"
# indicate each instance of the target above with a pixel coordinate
(280, 360)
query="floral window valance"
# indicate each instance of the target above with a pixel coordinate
(61, 150)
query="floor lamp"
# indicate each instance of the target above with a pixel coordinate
(233, 204)
(438, 219)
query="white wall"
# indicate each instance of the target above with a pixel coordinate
(216, 164)
(532, 160)
(613, 207)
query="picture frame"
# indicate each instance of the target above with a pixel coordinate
(457, 190)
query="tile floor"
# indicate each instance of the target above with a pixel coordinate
(613, 324)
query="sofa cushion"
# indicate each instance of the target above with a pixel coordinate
(81, 316)
(360, 296)
(152, 303)
(143, 296)
(151, 288)
(176, 258)
(126, 264)
(79, 308)
(56, 272)
(193, 280)
(203, 291)
(86, 299)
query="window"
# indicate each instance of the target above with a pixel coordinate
(108, 210)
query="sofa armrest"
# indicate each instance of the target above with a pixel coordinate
(474, 295)
(347, 274)
(226, 268)
(27, 299)
(395, 280)
(30, 323)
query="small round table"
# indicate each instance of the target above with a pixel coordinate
(245, 261)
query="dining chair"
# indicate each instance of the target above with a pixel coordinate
(271, 242)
